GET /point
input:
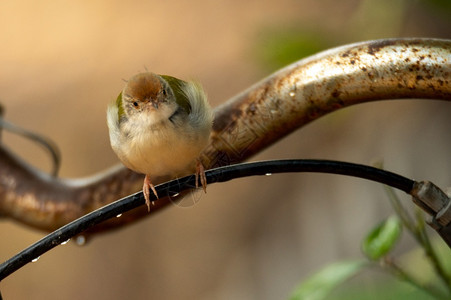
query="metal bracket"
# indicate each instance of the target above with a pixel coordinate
(437, 204)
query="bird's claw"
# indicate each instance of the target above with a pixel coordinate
(200, 172)
(147, 186)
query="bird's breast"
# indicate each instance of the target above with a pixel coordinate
(161, 149)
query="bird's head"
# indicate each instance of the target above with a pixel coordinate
(146, 94)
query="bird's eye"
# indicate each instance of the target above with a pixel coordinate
(164, 92)
(136, 104)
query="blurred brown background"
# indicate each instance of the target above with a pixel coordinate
(255, 238)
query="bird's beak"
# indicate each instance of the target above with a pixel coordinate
(155, 104)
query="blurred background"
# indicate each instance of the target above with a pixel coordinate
(62, 62)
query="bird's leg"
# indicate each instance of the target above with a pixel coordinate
(146, 191)
(200, 172)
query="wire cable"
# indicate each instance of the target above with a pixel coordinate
(176, 186)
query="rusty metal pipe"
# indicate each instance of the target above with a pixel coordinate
(246, 124)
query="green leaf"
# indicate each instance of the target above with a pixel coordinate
(382, 238)
(319, 285)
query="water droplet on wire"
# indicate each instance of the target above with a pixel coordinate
(36, 259)
(80, 240)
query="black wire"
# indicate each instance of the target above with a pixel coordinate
(173, 187)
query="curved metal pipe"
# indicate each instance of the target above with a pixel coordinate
(246, 124)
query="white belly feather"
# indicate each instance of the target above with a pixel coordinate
(166, 151)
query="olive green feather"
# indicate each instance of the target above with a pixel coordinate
(180, 96)
(120, 108)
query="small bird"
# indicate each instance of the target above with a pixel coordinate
(158, 126)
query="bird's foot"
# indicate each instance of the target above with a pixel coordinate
(200, 172)
(147, 186)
